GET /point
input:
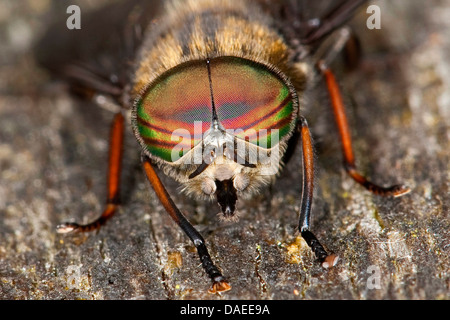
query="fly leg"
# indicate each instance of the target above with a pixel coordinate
(344, 133)
(219, 282)
(325, 55)
(307, 197)
(114, 171)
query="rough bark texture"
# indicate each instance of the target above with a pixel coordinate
(53, 156)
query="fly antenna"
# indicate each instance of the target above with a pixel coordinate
(215, 118)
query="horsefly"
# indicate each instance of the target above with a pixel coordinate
(214, 88)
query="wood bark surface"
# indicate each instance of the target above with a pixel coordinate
(53, 161)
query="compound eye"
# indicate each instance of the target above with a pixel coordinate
(252, 100)
(175, 111)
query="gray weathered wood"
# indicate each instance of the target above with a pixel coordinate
(53, 155)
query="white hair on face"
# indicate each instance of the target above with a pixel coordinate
(241, 181)
(208, 186)
(223, 172)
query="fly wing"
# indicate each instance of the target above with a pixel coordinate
(307, 23)
(324, 17)
(98, 57)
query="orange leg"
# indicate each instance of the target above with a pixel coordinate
(344, 133)
(219, 282)
(114, 170)
(307, 197)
